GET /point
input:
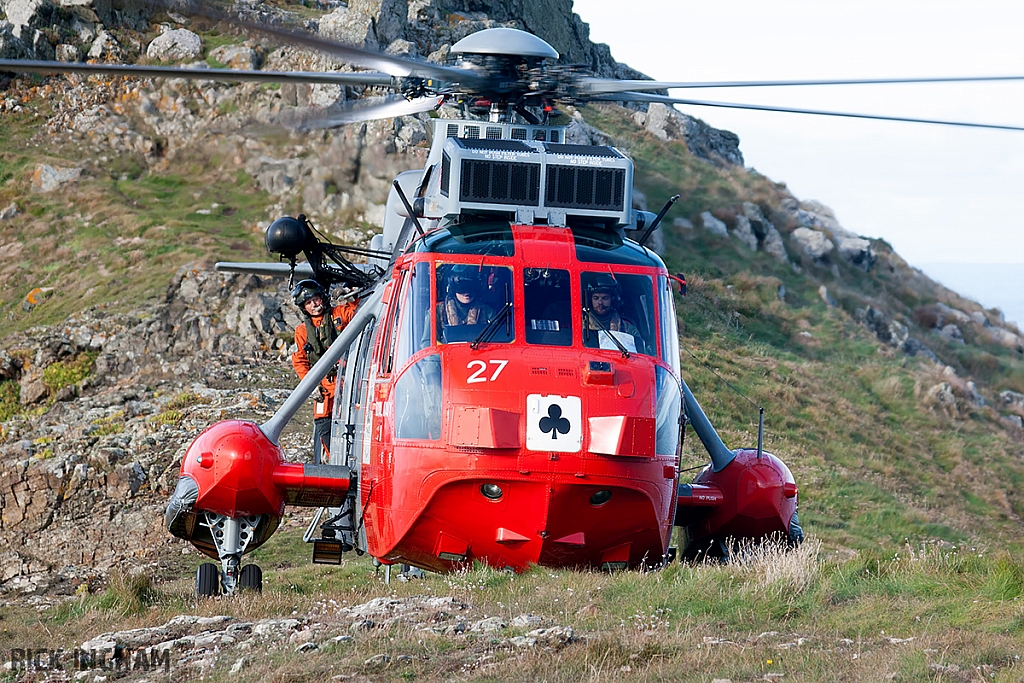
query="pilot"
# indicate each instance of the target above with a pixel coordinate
(462, 304)
(312, 338)
(604, 297)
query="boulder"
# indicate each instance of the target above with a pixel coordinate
(237, 57)
(813, 243)
(974, 396)
(46, 178)
(682, 223)
(714, 225)
(914, 347)
(887, 330)
(942, 394)
(711, 144)
(67, 53)
(745, 233)
(33, 389)
(9, 212)
(952, 333)
(827, 297)
(1012, 400)
(105, 46)
(857, 251)
(177, 45)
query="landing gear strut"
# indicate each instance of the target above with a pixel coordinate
(231, 536)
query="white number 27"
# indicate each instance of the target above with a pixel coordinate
(481, 368)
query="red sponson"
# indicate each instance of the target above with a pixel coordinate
(233, 464)
(759, 497)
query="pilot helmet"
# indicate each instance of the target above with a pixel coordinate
(465, 279)
(306, 290)
(605, 283)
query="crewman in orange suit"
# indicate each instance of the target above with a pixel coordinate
(311, 341)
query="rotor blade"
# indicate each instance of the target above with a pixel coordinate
(644, 97)
(302, 270)
(200, 74)
(368, 312)
(395, 66)
(367, 109)
(596, 86)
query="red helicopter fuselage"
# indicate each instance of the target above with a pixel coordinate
(535, 446)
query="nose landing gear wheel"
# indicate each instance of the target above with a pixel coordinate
(251, 578)
(207, 580)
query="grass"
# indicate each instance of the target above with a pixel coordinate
(809, 615)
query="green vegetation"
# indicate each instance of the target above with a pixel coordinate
(66, 373)
(9, 404)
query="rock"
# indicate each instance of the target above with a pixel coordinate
(67, 53)
(556, 636)
(943, 395)
(813, 214)
(489, 625)
(524, 620)
(9, 212)
(177, 45)
(237, 57)
(745, 233)
(813, 243)
(826, 297)
(46, 178)
(9, 365)
(105, 46)
(857, 251)
(1015, 421)
(711, 144)
(237, 667)
(887, 330)
(377, 659)
(714, 225)
(773, 245)
(33, 389)
(974, 396)
(682, 224)
(913, 347)
(952, 333)
(1012, 400)
(947, 313)
(579, 132)
(1003, 336)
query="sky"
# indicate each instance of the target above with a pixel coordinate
(938, 194)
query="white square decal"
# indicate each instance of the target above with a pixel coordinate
(554, 423)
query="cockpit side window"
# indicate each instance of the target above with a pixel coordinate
(619, 305)
(474, 303)
(414, 329)
(668, 325)
(548, 306)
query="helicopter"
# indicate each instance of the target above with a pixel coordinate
(537, 435)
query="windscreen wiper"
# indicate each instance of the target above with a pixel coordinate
(492, 327)
(587, 316)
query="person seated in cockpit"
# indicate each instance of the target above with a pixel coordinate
(603, 298)
(462, 303)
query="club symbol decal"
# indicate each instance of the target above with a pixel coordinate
(554, 422)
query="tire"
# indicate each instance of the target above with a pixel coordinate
(208, 580)
(251, 578)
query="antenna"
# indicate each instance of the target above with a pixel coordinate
(657, 220)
